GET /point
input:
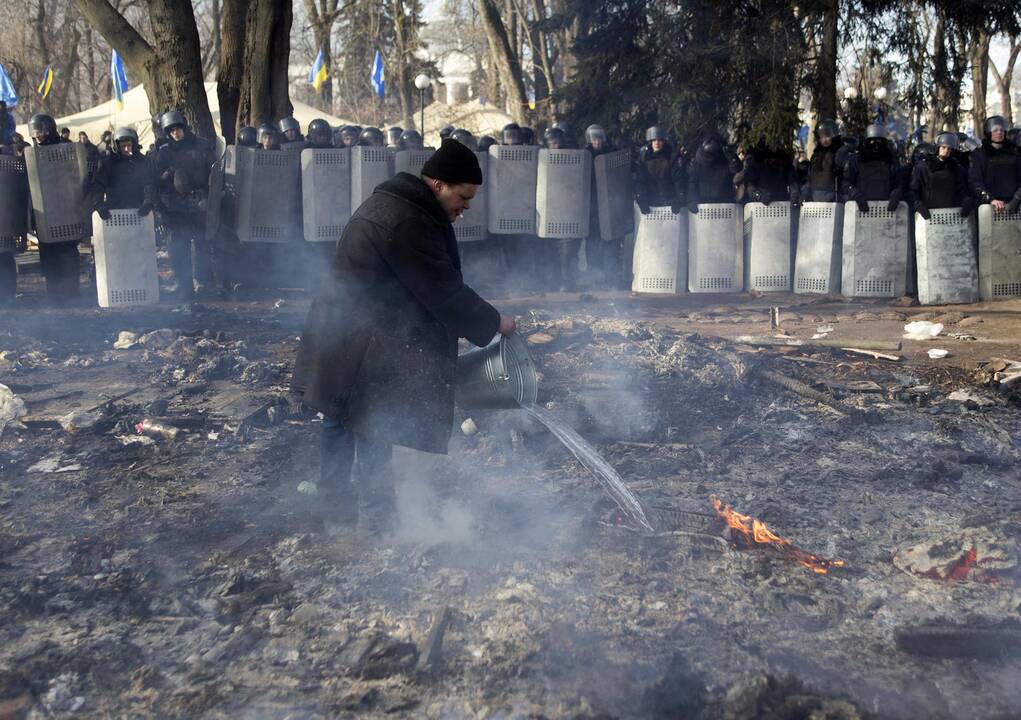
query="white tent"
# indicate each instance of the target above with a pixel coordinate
(106, 116)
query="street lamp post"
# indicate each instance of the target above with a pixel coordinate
(422, 82)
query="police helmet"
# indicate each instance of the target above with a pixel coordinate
(44, 123)
(268, 131)
(172, 119)
(1014, 134)
(595, 132)
(465, 138)
(511, 134)
(486, 142)
(875, 130)
(122, 134)
(527, 136)
(248, 136)
(349, 135)
(446, 131)
(949, 139)
(711, 147)
(393, 135)
(827, 128)
(656, 132)
(289, 123)
(996, 121)
(556, 135)
(371, 136)
(410, 140)
(922, 151)
(320, 132)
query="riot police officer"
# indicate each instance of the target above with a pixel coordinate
(602, 256)
(349, 136)
(939, 181)
(320, 135)
(873, 172)
(561, 254)
(826, 167)
(769, 175)
(570, 142)
(290, 130)
(661, 177)
(248, 137)
(711, 174)
(59, 261)
(372, 137)
(994, 171)
(446, 131)
(125, 177)
(393, 136)
(486, 142)
(182, 176)
(268, 138)
(410, 140)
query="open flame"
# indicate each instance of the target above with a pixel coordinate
(753, 531)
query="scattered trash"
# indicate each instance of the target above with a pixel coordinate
(12, 408)
(52, 464)
(213, 435)
(77, 421)
(60, 698)
(469, 428)
(965, 395)
(307, 487)
(937, 353)
(981, 554)
(961, 336)
(278, 304)
(135, 440)
(153, 428)
(922, 330)
(126, 340)
(158, 339)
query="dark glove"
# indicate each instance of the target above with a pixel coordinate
(1013, 205)
(144, 209)
(923, 211)
(984, 198)
(676, 207)
(863, 204)
(894, 200)
(168, 175)
(693, 208)
(644, 208)
(762, 196)
(103, 212)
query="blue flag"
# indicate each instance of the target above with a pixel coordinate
(378, 77)
(7, 92)
(119, 79)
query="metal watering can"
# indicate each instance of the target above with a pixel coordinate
(499, 376)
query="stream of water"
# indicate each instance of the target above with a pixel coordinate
(626, 500)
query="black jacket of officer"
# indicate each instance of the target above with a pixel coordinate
(940, 183)
(769, 175)
(182, 173)
(994, 173)
(124, 180)
(874, 173)
(826, 168)
(661, 178)
(711, 175)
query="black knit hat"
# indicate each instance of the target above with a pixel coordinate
(453, 163)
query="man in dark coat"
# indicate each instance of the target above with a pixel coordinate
(125, 177)
(994, 172)
(826, 168)
(770, 175)
(379, 351)
(939, 181)
(661, 177)
(711, 175)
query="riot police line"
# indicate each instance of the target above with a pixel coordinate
(856, 218)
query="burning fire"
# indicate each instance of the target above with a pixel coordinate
(755, 532)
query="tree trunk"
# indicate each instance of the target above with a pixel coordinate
(825, 89)
(322, 19)
(979, 78)
(401, 69)
(231, 67)
(940, 79)
(90, 66)
(264, 90)
(171, 68)
(506, 60)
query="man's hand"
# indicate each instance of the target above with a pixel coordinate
(998, 205)
(507, 326)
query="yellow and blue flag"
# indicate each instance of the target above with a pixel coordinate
(378, 77)
(318, 75)
(119, 79)
(47, 82)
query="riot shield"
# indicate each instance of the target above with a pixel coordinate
(945, 256)
(472, 226)
(875, 251)
(55, 177)
(563, 191)
(817, 261)
(325, 192)
(268, 200)
(369, 167)
(999, 254)
(715, 249)
(661, 252)
(296, 146)
(614, 194)
(767, 247)
(411, 161)
(125, 252)
(214, 201)
(14, 207)
(512, 173)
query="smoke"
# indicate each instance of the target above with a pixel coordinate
(425, 517)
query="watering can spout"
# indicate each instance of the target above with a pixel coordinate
(498, 376)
